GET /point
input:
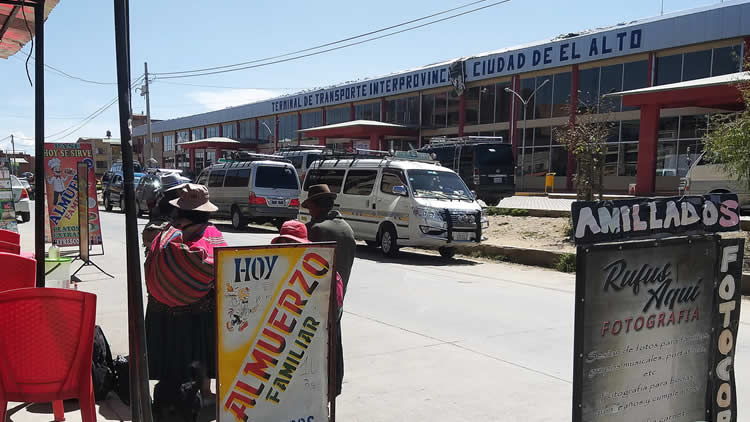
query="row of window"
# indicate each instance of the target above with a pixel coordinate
(358, 182)
(697, 64)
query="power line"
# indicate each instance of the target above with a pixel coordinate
(66, 74)
(15, 116)
(222, 86)
(252, 64)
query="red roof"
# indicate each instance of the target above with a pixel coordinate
(17, 25)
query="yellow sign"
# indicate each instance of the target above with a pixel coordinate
(273, 307)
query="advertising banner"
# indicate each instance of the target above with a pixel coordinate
(61, 178)
(7, 206)
(649, 318)
(273, 307)
(83, 217)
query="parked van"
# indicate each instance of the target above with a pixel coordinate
(392, 202)
(706, 177)
(486, 164)
(302, 157)
(263, 189)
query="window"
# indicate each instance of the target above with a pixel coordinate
(471, 98)
(666, 159)
(227, 131)
(311, 119)
(276, 177)
(635, 75)
(216, 179)
(428, 110)
(503, 101)
(693, 126)
(668, 127)
(390, 179)
(630, 130)
(559, 161)
(337, 115)
(212, 131)
(540, 165)
(541, 137)
(266, 129)
(182, 136)
(486, 104)
(202, 179)
(611, 160)
(526, 89)
(288, 128)
(360, 182)
(561, 95)
(196, 134)
(696, 65)
(441, 109)
(311, 158)
(101, 164)
(453, 107)
(237, 178)
(628, 159)
(726, 60)
(332, 178)
(369, 111)
(168, 142)
(610, 81)
(668, 69)
(543, 97)
(247, 129)
(588, 88)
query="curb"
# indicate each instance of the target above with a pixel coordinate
(525, 256)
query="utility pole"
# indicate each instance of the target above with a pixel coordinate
(145, 92)
(13, 146)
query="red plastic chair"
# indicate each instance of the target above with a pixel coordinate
(10, 242)
(10, 236)
(46, 343)
(17, 272)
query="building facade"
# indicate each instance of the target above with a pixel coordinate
(468, 97)
(106, 151)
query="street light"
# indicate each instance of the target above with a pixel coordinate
(523, 141)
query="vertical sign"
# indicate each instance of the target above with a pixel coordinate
(7, 206)
(61, 181)
(273, 307)
(83, 211)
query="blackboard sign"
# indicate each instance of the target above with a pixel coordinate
(607, 221)
(654, 323)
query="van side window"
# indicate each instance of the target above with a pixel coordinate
(332, 178)
(216, 180)
(296, 161)
(311, 158)
(360, 182)
(203, 178)
(237, 178)
(391, 179)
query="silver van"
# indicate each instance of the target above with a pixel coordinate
(259, 191)
(302, 157)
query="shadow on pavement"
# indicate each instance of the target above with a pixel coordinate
(411, 258)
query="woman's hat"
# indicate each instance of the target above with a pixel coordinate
(194, 198)
(293, 230)
(318, 192)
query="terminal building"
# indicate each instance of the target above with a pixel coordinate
(673, 72)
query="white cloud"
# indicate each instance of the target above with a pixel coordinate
(22, 142)
(216, 100)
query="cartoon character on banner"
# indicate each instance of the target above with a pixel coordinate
(58, 181)
(240, 298)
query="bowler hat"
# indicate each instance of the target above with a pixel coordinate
(194, 197)
(318, 192)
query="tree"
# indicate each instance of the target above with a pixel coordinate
(586, 139)
(728, 140)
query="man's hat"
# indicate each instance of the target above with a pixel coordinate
(293, 230)
(194, 198)
(172, 181)
(318, 192)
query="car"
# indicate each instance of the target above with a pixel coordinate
(149, 187)
(28, 187)
(28, 176)
(394, 201)
(260, 189)
(706, 177)
(113, 190)
(20, 199)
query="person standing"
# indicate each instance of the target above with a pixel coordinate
(181, 310)
(327, 225)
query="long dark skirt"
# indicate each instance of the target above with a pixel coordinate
(175, 337)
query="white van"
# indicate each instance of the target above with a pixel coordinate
(302, 157)
(258, 191)
(397, 202)
(705, 177)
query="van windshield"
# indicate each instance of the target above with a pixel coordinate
(438, 184)
(276, 177)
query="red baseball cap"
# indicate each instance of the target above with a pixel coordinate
(293, 230)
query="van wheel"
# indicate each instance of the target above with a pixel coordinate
(389, 241)
(371, 243)
(107, 203)
(447, 253)
(238, 221)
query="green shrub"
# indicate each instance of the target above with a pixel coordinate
(515, 212)
(566, 263)
(519, 212)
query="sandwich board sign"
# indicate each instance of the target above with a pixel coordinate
(273, 322)
(7, 205)
(656, 319)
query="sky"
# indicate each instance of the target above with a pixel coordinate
(185, 35)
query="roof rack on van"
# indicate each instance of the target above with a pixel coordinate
(444, 140)
(249, 156)
(358, 153)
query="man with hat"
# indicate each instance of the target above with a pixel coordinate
(161, 215)
(327, 225)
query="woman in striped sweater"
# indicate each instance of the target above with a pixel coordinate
(180, 315)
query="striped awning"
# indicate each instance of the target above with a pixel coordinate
(17, 24)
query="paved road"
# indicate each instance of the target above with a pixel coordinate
(424, 340)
